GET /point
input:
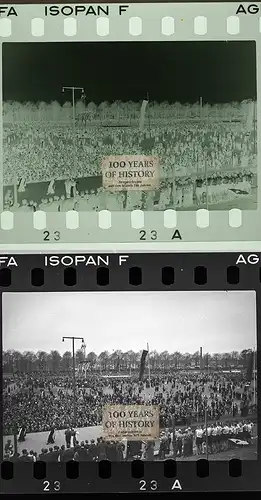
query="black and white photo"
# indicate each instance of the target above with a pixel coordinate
(67, 357)
(68, 106)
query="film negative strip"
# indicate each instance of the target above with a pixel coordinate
(106, 140)
(130, 372)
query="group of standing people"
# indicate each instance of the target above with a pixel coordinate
(63, 171)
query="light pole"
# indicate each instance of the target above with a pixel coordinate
(73, 90)
(74, 389)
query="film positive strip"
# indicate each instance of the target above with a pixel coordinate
(114, 365)
(147, 158)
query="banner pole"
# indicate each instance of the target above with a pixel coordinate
(148, 362)
(206, 426)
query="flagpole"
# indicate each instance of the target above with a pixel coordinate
(148, 361)
(148, 110)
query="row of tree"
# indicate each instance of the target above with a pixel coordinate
(19, 112)
(27, 362)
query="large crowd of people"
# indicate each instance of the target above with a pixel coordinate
(42, 401)
(57, 167)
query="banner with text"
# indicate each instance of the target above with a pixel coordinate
(130, 173)
(131, 422)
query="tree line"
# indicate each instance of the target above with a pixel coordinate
(27, 362)
(17, 112)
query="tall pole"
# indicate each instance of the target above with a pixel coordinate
(200, 108)
(74, 137)
(206, 427)
(148, 362)
(148, 109)
(73, 90)
(74, 388)
(200, 358)
(74, 383)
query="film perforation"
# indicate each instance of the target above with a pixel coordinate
(37, 277)
(233, 25)
(7, 470)
(168, 275)
(135, 26)
(168, 25)
(135, 276)
(104, 469)
(137, 219)
(200, 275)
(103, 276)
(104, 219)
(70, 276)
(137, 469)
(170, 218)
(72, 470)
(170, 468)
(72, 219)
(39, 220)
(202, 218)
(233, 275)
(235, 468)
(7, 220)
(5, 277)
(202, 468)
(103, 26)
(37, 27)
(5, 28)
(39, 470)
(70, 27)
(235, 217)
(200, 25)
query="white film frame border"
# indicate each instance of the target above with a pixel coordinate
(166, 21)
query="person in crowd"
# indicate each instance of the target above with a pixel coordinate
(44, 401)
(25, 456)
(51, 436)
(202, 162)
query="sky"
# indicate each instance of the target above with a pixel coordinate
(172, 321)
(217, 71)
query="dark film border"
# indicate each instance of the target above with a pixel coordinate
(156, 272)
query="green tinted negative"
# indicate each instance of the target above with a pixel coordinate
(150, 136)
